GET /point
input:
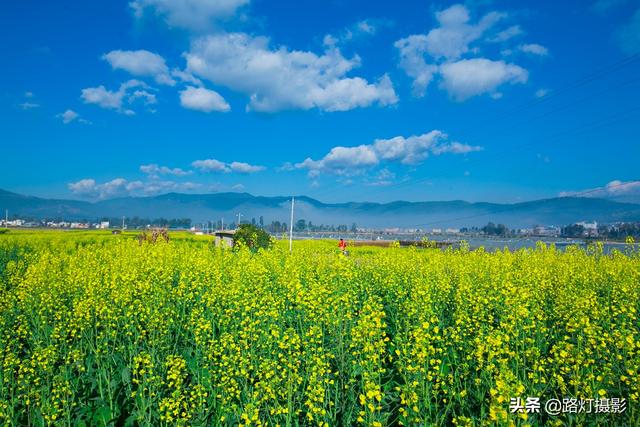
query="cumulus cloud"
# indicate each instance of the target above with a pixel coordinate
(147, 97)
(68, 116)
(210, 165)
(470, 77)
(414, 149)
(342, 161)
(114, 100)
(534, 49)
(89, 188)
(201, 99)
(213, 165)
(280, 79)
(616, 189)
(186, 77)
(452, 39)
(120, 187)
(195, 15)
(411, 150)
(441, 54)
(155, 170)
(242, 167)
(141, 63)
(412, 61)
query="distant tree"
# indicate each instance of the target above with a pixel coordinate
(261, 222)
(495, 230)
(354, 227)
(573, 230)
(253, 237)
(301, 225)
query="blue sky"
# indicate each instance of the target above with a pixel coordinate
(339, 100)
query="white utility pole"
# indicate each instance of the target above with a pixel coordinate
(222, 221)
(122, 222)
(239, 215)
(6, 217)
(291, 226)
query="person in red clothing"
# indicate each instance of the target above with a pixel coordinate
(342, 245)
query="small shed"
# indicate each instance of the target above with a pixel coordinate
(224, 238)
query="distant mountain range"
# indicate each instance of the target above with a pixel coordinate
(204, 207)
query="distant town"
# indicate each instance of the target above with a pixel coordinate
(583, 229)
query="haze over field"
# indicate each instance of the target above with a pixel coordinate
(425, 215)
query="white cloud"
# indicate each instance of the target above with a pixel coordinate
(541, 93)
(412, 61)
(213, 165)
(154, 170)
(201, 99)
(141, 63)
(242, 167)
(113, 100)
(508, 34)
(470, 77)
(28, 94)
(366, 27)
(280, 79)
(358, 30)
(210, 165)
(382, 179)
(28, 105)
(186, 77)
(68, 116)
(616, 189)
(455, 34)
(342, 161)
(148, 97)
(120, 187)
(416, 148)
(534, 49)
(410, 150)
(629, 35)
(437, 54)
(196, 15)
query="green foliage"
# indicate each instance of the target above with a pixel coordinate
(252, 237)
(426, 243)
(4, 230)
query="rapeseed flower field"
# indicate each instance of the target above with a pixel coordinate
(99, 330)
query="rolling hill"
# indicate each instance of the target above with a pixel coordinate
(203, 207)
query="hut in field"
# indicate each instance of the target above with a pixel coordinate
(224, 238)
